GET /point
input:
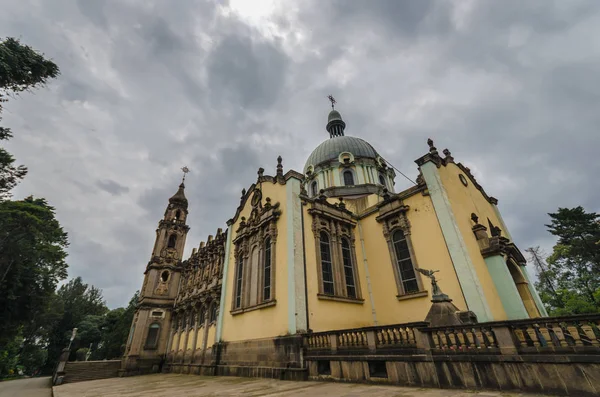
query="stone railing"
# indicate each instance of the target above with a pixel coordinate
(465, 338)
(553, 355)
(368, 339)
(569, 333)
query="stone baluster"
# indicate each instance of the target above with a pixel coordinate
(559, 334)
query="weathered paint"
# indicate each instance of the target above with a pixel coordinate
(295, 259)
(219, 332)
(465, 270)
(536, 297)
(507, 290)
(269, 321)
(367, 274)
(534, 293)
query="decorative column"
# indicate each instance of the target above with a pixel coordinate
(187, 334)
(492, 249)
(195, 338)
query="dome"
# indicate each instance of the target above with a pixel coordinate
(331, 149)
(334, 115)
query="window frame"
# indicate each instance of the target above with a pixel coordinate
(172, 237)
(153, 326)
(398, 262)
(336, 224)
(352, 176)
(253, 233)
(393, 218)
(314, 188)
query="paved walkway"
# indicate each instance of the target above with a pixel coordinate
(31, 387)
(172, 385)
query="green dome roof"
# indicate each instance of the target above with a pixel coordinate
(334, 115)
(331, 149)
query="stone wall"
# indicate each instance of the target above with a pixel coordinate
(79, 371)
(279, 358)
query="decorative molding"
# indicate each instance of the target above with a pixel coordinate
(338, 298)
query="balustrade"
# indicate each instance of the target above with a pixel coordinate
(352, 339)
(462, 338)
(553, 332)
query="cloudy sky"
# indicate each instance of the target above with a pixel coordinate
(512, 88)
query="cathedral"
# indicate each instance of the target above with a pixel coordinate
(332, 247)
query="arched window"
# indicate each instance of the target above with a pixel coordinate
(202, 316)
(172, 241)
(314, 188)
(267, 270)
(326, 266)
(382, 180)
(213, 314)
(177, 214)
(164, 276)
(348, 269)
(238, 281)
(348, 178)
(152, 338)
(406, 269)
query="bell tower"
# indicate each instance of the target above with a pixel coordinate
(149, 333)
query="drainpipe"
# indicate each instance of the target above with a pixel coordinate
(366, 264)
(304, 260)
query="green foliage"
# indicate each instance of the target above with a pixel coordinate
(21, 69)
(32, 261)
(115, 331)
(33, 357)
(81, 353)
(9, 356)
(569, 281)
(78, 300)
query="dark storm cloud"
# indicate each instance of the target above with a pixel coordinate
(146, 87)
(112, 187)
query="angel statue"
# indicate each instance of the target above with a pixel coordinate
(436, 292)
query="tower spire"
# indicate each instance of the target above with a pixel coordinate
(185, 170)
(335, 124)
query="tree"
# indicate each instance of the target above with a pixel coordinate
(21, 69)
(569, 281)
(115, 330)
(32, 261)
(79, 300)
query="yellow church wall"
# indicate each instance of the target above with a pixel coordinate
(464, 201)
(430, 253)
(325, 314)
(270, 321)
(210, 336)
(190, 341)
(200, 332)
(174, 342)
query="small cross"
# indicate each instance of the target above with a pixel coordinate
(185, 170)
(332, 100)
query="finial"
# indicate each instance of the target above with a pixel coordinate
(341, 204)
(185, 170)
(332, 100)
(474, 218)
(431, 147)
(448, 155)
(243, 193)
(279, 166)
(260, 172)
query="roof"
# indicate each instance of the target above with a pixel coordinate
(331, 149)
(179, 197)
